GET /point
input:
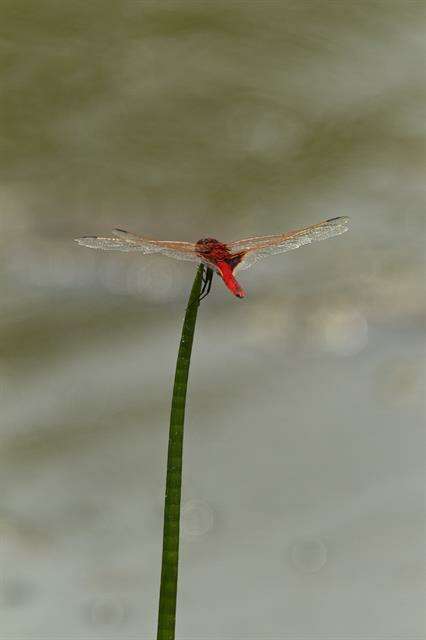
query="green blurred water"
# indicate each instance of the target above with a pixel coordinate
(182, 120)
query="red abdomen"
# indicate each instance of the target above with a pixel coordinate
(225, 270)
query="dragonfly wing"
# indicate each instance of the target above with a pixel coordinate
(125, 241)
(172, 249)
(259, 247)
(110, 243)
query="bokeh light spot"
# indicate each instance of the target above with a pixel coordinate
(308, 555)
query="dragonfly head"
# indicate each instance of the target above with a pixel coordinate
(207, 244)
(212, 249)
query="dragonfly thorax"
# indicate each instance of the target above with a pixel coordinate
(212, 249)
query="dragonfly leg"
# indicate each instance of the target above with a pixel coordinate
(203, 280)
(206, 286)
(207, 283)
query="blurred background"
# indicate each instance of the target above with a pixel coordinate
(303, 491)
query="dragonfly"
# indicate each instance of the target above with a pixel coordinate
(223, 258)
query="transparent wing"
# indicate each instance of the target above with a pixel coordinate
(259, 247)
(122, 240)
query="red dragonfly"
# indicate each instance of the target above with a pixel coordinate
(224, 258)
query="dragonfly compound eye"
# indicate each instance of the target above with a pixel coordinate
(207, 246)
(207, 243)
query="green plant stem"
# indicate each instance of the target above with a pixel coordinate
(170, 558)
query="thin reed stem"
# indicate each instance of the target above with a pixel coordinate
(170, 558)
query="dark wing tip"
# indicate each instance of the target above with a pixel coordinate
(121, 230)
(344, 219)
